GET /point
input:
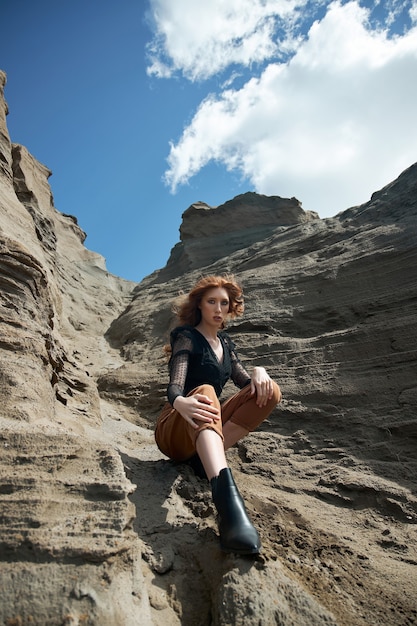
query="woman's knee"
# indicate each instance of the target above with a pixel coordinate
(206, 390)
(216, 428)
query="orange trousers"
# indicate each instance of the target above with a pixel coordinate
(176, 438)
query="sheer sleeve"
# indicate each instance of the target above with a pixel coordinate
(239, 375)
(181, 344)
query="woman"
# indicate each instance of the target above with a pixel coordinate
(194, 424)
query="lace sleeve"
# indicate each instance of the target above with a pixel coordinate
(239, 375)
(181, 344)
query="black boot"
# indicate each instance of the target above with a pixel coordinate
(237, 534)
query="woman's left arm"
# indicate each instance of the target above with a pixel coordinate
(260, 381)
(262, 385)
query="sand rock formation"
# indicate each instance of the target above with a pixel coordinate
(66, 542)
(97, 527)
(234, 225)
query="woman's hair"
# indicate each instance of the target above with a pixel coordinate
(187, 307)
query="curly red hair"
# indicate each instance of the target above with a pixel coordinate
(187, 307)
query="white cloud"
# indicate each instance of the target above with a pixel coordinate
(330, 126)
(201, 39)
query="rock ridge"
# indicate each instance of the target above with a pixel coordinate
(209, 233)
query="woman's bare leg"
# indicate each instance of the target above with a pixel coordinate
(237, 533)
(210, 449)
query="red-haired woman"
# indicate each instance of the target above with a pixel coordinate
(194, 424)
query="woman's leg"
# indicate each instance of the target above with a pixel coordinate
(241, 415)
(176, 438)
(210, 449)
(233, 433)
(237, 533)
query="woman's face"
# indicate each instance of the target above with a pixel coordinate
(214, 307)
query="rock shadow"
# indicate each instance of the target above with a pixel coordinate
(175, 519)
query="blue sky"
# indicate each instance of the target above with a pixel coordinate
(142, 107)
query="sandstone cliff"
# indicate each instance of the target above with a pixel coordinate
(97, 527)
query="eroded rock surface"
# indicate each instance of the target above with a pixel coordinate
(210, 233)
(69, 554)
(97, 527)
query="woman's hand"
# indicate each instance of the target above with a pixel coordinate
(262, 384)
(197, 407)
